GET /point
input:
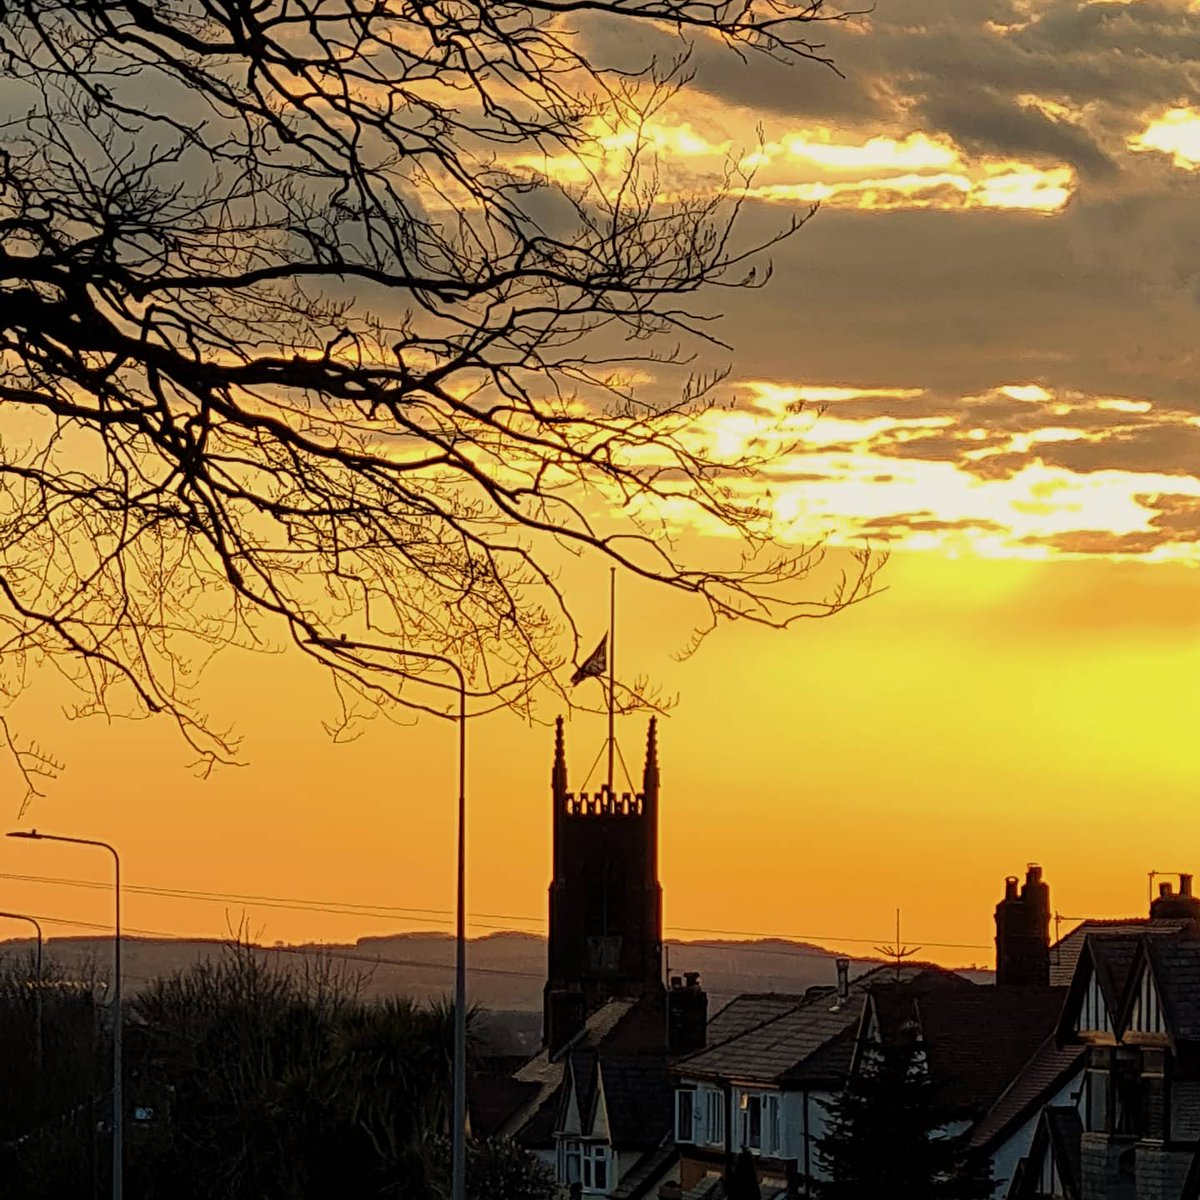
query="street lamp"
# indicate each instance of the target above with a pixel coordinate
(118, 1115)
(37, 995)
(458, 1132)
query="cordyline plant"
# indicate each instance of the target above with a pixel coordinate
(296, 345)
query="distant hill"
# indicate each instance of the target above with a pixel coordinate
(507, 970)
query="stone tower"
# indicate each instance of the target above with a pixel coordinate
(605, 937)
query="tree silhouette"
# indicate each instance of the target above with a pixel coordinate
(743, 1178)
(887, 1135)
(304, 339)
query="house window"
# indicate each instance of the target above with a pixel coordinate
(588, 1164)
(597, 1169)
(771, 1124)
(752, 1120)
(569, 1163)
(1127, 1097)
(685, 1115)
(1096, 1114)
(713, 1117)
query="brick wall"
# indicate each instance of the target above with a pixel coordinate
(1160, 1172)
(1100, 1166)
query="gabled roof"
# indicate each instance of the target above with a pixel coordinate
(827, 1066)
(1118, 964)
(748, 1011)
(976, 1041)
(616, 1065)
(1108, 959)
(1046, 1072)
(638, 1098)
(777, 1049)
(1057, 1139)
(580, 1086)
(1175, 966)
(1064, 954)
(533, 1122)
(1112, 961)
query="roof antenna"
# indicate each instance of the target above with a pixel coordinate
(899, 952)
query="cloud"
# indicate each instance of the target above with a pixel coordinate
(1017, 470)
(1007, 264)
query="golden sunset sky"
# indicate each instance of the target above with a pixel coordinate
(984, 349)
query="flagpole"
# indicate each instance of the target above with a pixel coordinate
(612, 656)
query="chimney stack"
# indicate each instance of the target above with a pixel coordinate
(843, 980)
(1176, 905)
(687, 1014)
(1023, 931)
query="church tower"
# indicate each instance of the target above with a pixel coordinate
(605, 900)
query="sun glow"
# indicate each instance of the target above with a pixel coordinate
(1177, 133)
(919, 471)
(879, 173)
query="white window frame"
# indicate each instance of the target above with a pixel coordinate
(749, 1103)
(596, 1155)
(712, 1117)
(585, 1157)
(770, 1131)
(687, 1123)
(569, 1156)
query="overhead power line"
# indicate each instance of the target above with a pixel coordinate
(436, 916)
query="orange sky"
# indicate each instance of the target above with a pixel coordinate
(912, 752)
(998, 307)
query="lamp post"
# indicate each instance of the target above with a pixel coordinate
(118, 1111)
(37, 995)
(458, 1132)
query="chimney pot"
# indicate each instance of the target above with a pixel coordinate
(1033, 874)
(676, 981)
(691, 979)
(1185, 885)
(843, 979)
(1164, 890)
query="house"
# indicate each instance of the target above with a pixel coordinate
(771, 1064)
(1132, 1014)
(1051, 1079)
(989, 1053)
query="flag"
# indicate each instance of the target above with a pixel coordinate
(595, 664)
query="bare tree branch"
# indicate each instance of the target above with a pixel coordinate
(296, 347)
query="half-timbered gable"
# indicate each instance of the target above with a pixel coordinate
(1094, 1006)
(1052, 1170)
(1144, 1019)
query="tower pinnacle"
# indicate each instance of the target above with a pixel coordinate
(650, 773)
(558, 777)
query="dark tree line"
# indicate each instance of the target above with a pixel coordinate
(298, 345)
(245, 1080)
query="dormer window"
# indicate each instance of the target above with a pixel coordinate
(589, 1164)
(597, 1169)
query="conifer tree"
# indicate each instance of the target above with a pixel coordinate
(885, 1136)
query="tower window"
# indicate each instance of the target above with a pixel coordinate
(604, 954)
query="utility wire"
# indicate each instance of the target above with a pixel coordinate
(439, 916)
